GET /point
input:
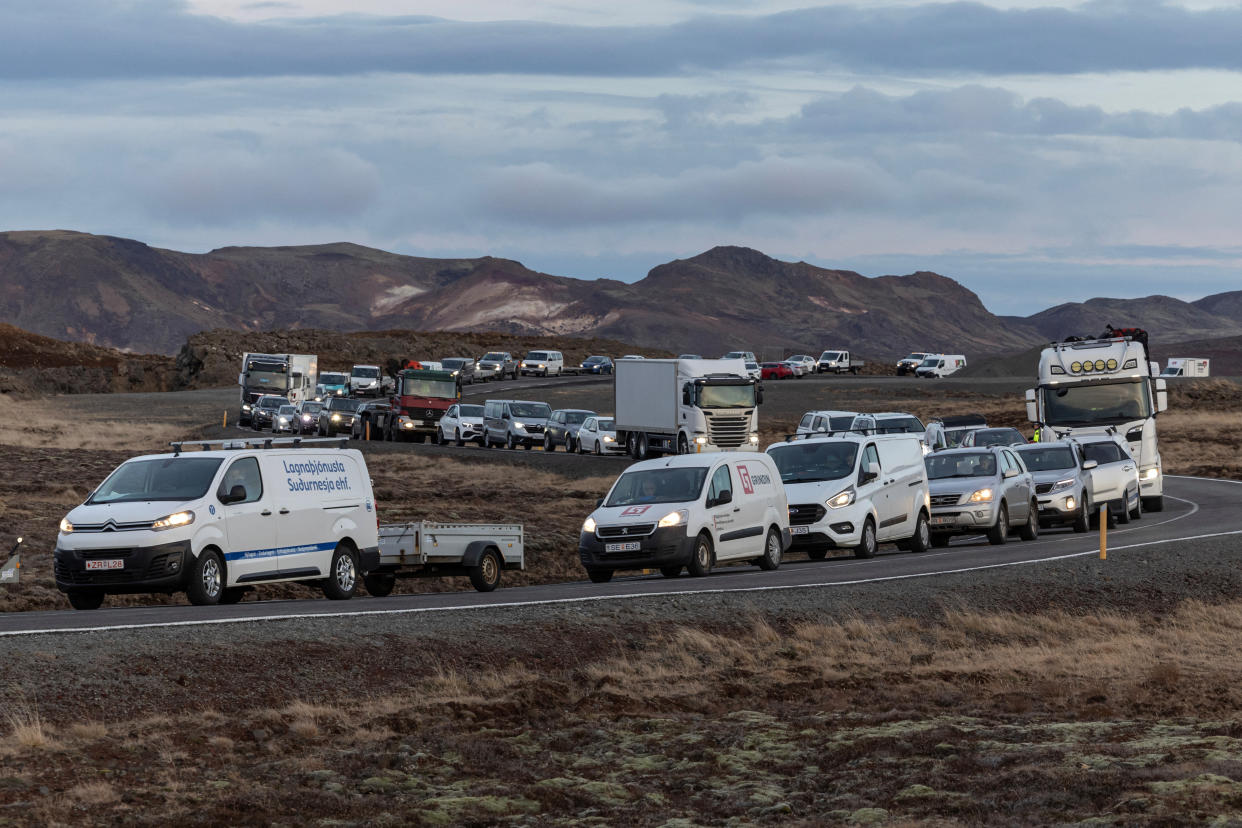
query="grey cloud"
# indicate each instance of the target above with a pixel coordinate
(146, 38)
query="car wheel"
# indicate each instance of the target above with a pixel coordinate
(1137, 514)
(598, 450)
(1030, 531)
(510, 443)
(206, 579)
(569, 443)
(867, 543)
(457, 438)
(379, 584)
(485, 575)
(771, 551)
(85, 600)
(548, 445)
(670, 571)
(1122, 512)
(920, 541)
(701, 559)
(342, 580)
(1082, 520)
(599, 576)
(999, 533)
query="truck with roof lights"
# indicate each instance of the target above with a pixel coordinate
(1104, 385)
(292, 376)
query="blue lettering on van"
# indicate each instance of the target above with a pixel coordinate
(314, 476)
(276, 552)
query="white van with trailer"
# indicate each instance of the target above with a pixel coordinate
(940, 365)
(692, 511)
(1186, 367)
(216, 522)
(431, 550)
(855, 492)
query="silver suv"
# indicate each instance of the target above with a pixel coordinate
(982, 490)
(1062, 483)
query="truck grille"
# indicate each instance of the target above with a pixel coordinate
(804, 514)
(945, 500)
(635, 530)
(728, 432)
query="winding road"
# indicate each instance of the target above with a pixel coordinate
(1196, 509)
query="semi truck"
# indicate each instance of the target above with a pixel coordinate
(1104, 385)
(679, 406)
(287, 375)
(419, 401)
(1187, 367)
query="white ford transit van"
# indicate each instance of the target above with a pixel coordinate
(855, 492)
(691, 510)
(213, 523)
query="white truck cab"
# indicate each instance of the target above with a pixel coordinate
(213, 523)
(692, 511)
(365, 380)
(854, 491)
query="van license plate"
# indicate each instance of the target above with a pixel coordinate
(628, 546)
(799, 530)
(114, 563)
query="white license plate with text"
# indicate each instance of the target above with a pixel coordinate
(627, 546)
(110, 563)
(940, 521)
(799, 530)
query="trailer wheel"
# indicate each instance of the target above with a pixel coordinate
(485, 575)
(379, 584)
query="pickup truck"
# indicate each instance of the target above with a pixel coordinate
(421, 549)
(839, 362)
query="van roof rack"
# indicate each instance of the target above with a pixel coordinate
(257, 442)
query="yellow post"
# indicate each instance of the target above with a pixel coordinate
(226, 418)
(368, 429)
(1104, 532)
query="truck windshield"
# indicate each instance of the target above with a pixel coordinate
(333, 379)
(726, 396)
(915, 358)
(830, 356)
(966, 464)
(658, 486)
(276, 379)
(536, 410)
(1048, 459)
(814, 462)
(366, 373)
(169, 478)
(1108, 404)
(439, 389)
(495, 357)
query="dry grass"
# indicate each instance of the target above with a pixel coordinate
(36, 424)
(25, 724)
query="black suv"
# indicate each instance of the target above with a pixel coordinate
(264, 411)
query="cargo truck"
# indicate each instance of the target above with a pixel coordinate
(1104, 385)
(420, 400)
(1186, 367)
(678, 406)
(292, 376)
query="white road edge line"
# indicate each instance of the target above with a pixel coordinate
(591, 598)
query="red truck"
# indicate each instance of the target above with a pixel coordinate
(420, 401)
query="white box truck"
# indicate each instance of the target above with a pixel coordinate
(286, 375)
(1187, 367)
(678, 406)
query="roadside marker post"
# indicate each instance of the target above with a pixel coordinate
(1104, 532)
(368, 430)
(226, 418)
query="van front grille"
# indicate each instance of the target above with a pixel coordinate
(636, 530)
(804, 514)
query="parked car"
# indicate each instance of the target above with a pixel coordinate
(498, 365)
(754, 371)
(775, 370)
(514, 423)
(1115, 479)
(981, 490)
(285, 420)
(264, 411)
(597, 365)
(460, 424)
(855, 492)
(543, 363)
(1062, 483)
(982, 437)
(799, 370)
(807, 363)
(464, 368)
(337, 415)
(824, 422)
(308, 416)
(366, 416)
(563, 427)
(598, 435)
(692, 511)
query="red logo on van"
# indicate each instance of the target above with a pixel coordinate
(744, 473)
(634, 510)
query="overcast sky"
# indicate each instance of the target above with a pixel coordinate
(1036, 152)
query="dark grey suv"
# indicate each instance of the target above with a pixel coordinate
(563, 428)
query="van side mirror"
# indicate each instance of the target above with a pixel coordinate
(236, 495)
(724, 497)
(1088, 465)
(1008, 473)
(866, 476)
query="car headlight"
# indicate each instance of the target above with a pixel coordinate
(455, 373)
(1062, 484)
(336, 418)
(981, 496)
(588, 526)
(841, 499)
(306, 418)
(674, 519)
(245, 406)
(284, 420)
(66, 528)
(173, 520)
(608, 438)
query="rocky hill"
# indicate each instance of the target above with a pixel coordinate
(33, 364)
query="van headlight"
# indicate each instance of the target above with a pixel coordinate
(66, 528)
(981, 496)
(174, 520)
(1062, 484)
(336, 418)
(841, 499)
(1151, 474)
(674, 519)
(517, 424)
(245, 406)
(588, 526)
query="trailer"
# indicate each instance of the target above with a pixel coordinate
(422, 549)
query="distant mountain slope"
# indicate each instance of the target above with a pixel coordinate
(1223, 304)
(1171, 319)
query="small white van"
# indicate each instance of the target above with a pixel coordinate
(855, 492)
(940, 365)
(365, 381)
(689, 510)
(214, 523)
(543, 363)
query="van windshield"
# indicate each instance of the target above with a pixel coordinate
(658, 486)
(537, 355)
(333, 379)
(169, 478)
(537, 410)
(366, 373)
(930, 362)
(1048, 459)
(814, 462)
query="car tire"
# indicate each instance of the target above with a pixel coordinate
(1122, 512)
(670, 571)
(939, 540)
(206, 583)
(85, 600)
(920, 541)
(772, 548)
(867, 543)
(701, 558)
(1082, 521)
(683, 445)
(598, 450)
(1030, 530)
(1153, 504)
(457, 441)
(342, 580)
(1137, 514)
(485, 575)
(569, 443)
(817, 554)
(510, 443)
(232, 595)
(548, 445)
(998, 535)
(599, 576)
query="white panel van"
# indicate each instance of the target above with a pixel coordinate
(940, 365)
(543, 363)
(689, 510)
(215, 523)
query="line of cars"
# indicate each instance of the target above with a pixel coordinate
(527, 424)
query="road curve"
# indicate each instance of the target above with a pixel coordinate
(1195, 509)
